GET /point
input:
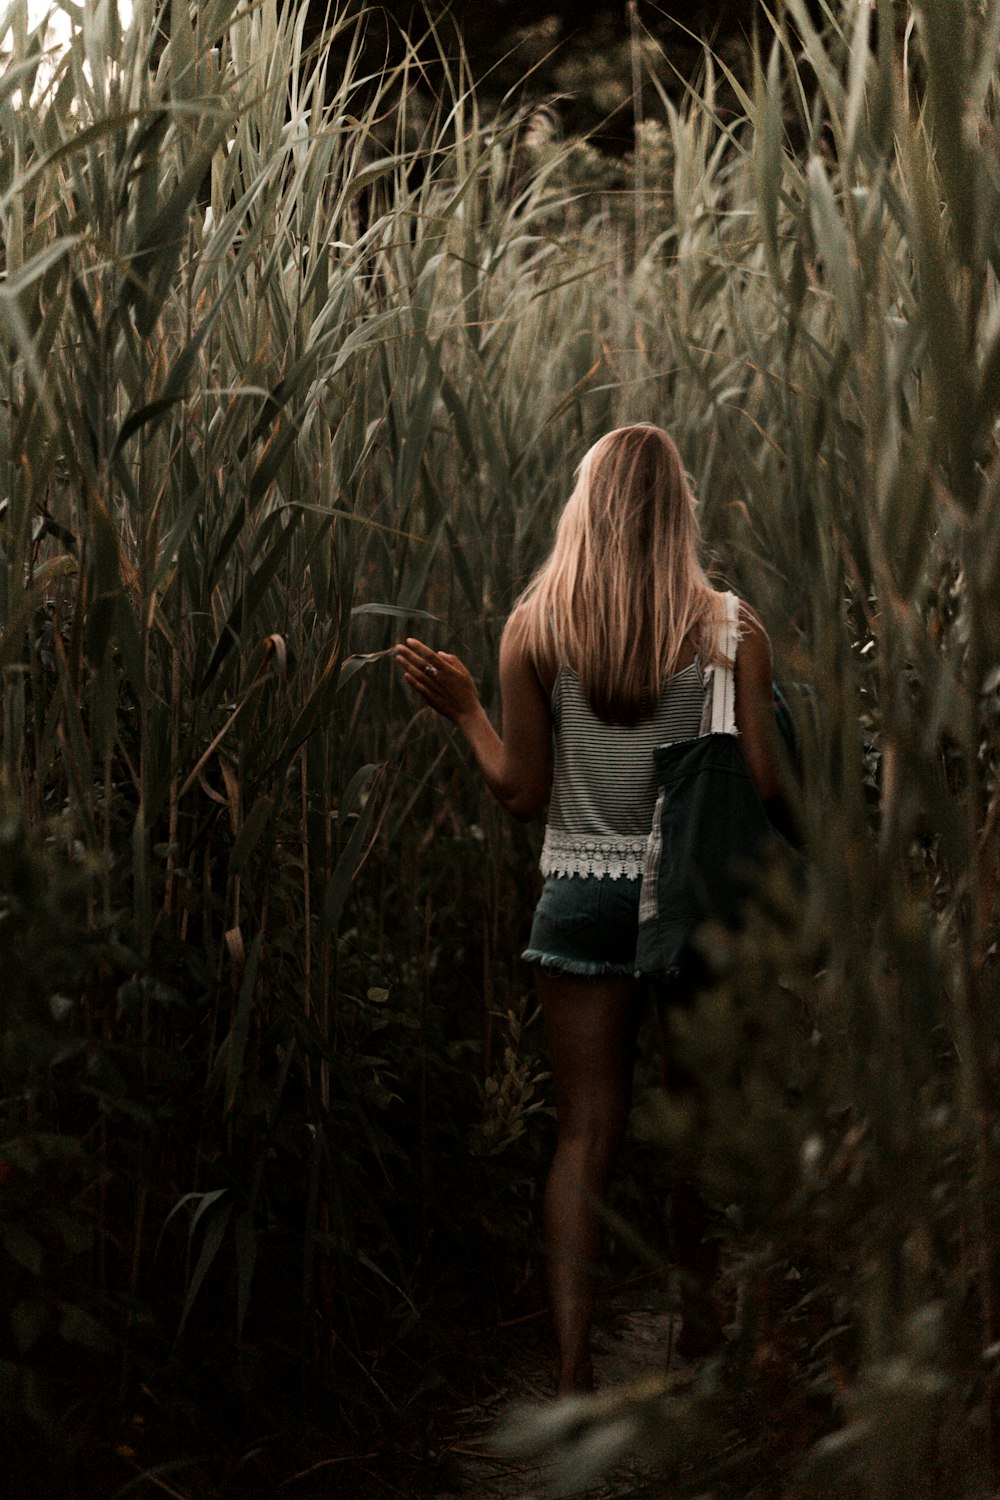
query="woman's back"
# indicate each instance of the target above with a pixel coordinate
(603, 783)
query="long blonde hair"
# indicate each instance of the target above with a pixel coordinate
(623, 588)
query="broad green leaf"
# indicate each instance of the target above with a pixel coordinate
(252, 827)
(840, 266)
(215, 1230)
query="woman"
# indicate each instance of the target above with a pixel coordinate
(601, 660)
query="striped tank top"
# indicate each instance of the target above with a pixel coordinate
(603, 781)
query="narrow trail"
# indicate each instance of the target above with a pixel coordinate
(634, 1333)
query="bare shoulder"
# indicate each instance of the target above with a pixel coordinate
(750, 621)
(516, 629)
(516, 650)
(755, 643)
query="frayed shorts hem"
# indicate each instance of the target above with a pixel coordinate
(585, 924)
(577, 966)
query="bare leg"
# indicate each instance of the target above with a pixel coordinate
(696, 1255)
(591, 1026)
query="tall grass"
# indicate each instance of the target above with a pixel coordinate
(294, 361)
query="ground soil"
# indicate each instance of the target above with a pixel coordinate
(634, 1335)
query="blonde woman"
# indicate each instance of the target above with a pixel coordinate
(601, 660)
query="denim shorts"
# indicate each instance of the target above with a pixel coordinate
(585, 924)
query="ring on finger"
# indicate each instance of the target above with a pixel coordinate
(430, 670)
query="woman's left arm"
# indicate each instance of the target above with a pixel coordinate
(755, 722)
(755, 706)
(516, 764)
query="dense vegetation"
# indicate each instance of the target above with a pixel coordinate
(583, 58)
(295, 359)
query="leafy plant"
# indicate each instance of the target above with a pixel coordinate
(296, 358)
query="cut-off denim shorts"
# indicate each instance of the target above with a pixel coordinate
(585, 924)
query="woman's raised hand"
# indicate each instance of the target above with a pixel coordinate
(439, 677)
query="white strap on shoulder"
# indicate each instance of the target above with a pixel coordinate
(723, 678)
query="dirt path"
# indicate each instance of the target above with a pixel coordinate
(633, 1337)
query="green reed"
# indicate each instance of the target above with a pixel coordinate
(294, 361)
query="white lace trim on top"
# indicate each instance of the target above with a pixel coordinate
(610, 856)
